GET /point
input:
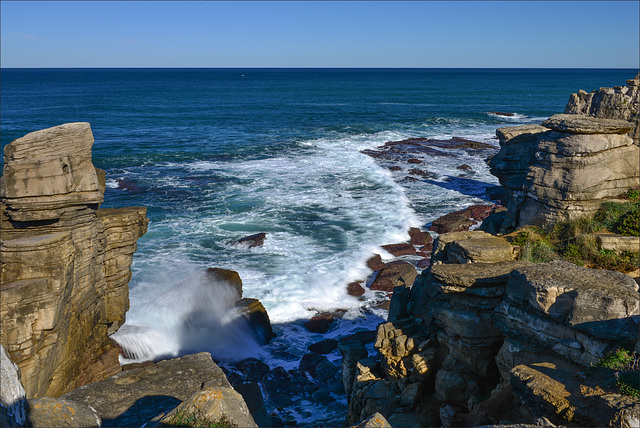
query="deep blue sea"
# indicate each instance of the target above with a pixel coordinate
(218, 154)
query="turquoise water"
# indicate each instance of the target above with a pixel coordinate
(218, 154)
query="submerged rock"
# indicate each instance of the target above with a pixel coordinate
(256, 240)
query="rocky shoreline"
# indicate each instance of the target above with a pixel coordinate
(474, 336)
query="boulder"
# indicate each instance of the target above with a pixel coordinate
(55, 412)
(258, 319)
(213, 405)
(419, 237)
(230, 277)
(394, 273)
(375, 263)
(318, 366)
(400, 249)
(452, 222)
(602, 303)
(564, 397)
(355, 289)
(320, 323)
(481, 250)
(135, 397)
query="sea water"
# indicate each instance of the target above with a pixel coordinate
(219, 154)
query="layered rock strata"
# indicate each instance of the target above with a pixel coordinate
(619, 102)
(563, 169)
(461, 344)
(65, 262)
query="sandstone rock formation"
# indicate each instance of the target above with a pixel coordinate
(150, 392)
(619, 102)
(563, 169)
(477, 342)
(65, 263)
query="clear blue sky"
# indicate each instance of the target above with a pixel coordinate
(320, 34)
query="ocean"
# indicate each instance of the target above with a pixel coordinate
(219, 154)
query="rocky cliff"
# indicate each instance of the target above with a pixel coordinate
(472, 343)
(65, 263)
(619, 102)
(566, 167)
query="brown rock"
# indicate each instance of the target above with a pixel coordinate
(464, 167)
(355, 289)
(452, 222)
(414, 161)
(258, 319)
(419, 237)
(256, 240)
(319, 324)
(394, 273)
(326, 346)
(400, 249)
(375, 263)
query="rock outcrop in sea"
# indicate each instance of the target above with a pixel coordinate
(65, 262)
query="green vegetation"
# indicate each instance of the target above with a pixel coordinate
(627, 374)
(184, 419)
(573, 240)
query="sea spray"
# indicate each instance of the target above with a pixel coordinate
(195, 315)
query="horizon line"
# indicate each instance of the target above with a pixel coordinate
(325, 67)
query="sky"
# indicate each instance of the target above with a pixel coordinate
(396, 34)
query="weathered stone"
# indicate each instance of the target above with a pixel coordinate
(618, 243)
(258, 319)
(566, 172)
(230, 277)
(452, 222)
(622, 103)
(252, 395)
(560, 394)
(318, 367)
(375, 262)
(443, 241)
(398, 250)
(481, 250)
(134, 397)
(393, 274)
(13, 400)
(355, 289)
(578, 124)
(213, 405)
(55, 412)
(602, 303)
(419, 237)
(49, 172)
(65, 263)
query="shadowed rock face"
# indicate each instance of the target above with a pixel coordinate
(65, 263)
